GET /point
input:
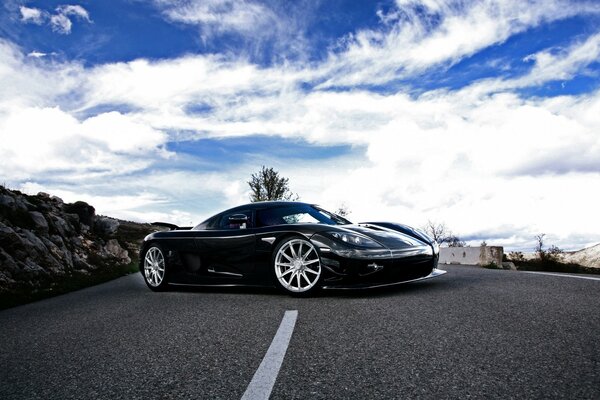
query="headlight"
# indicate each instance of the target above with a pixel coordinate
(355, 239)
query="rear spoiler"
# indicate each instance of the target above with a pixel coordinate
(172, 227)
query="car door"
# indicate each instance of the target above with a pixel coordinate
(227, 250)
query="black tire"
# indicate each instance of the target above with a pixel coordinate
(153, 260)
(296, 267)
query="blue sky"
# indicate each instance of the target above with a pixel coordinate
(484, 115)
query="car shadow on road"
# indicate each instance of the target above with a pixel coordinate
(387, 291)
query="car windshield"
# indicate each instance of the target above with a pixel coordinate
(300, 214)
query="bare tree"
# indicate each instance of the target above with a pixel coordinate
(437, 231)
(539, 247)
(266, 185)
(441, 234)
(552, 254)
(343, 210)
(454, 241)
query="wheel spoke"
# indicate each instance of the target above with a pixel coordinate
(286, 256)
(311, 271)
(306, 278)
(293, 251)
(282, 264)
(310, 250)
(287, 272)
(289, 282)
(311, 261)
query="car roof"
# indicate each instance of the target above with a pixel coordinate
(261, 205)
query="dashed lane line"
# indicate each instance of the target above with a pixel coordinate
(261, 385)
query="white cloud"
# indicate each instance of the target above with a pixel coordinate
(279, 27)
(220, 15)
(37, 54)
(61, 24)
(482, 159)
(74, 10)
(106, 145)
(60, 21)
(32, 15)
(27, 81)
(420, 35)
(562, 64)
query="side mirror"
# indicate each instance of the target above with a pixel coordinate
(238, 219)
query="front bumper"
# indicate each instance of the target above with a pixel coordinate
(375, 271)
(347, 266)
(366, 285)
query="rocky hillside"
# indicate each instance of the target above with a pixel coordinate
(48, 246)
(589, 257)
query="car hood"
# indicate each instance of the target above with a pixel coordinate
(388, 237)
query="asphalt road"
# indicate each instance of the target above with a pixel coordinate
(472, 333)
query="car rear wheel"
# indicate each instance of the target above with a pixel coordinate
(155, 268)
(297, 266)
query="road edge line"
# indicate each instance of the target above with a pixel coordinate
(591, 278)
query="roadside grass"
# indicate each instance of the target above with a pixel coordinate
(553, 266)
(76, 280)
(492, 265)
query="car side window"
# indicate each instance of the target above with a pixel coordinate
(226, 223)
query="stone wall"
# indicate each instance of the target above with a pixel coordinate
(481, 255)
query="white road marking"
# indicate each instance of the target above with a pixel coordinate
(261, 385)
(562, 275)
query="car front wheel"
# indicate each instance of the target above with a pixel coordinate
(297, 266)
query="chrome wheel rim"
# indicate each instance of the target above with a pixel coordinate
(154, 266)
(297, 266)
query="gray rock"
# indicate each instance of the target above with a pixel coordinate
(57, 199)
(86, 213)
(106, 226)
(72, 218)
(77, 241)
(509, 265)
(80, 262)
(57, 240)
(114, 249)
(7, 201)
(7, 263)
(21, 204)
(39, 221)
(32, 243)
(64, 228)
(5, 280)
(32, 268)
(9, 239)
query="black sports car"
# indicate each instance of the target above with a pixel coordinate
(295, 246)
